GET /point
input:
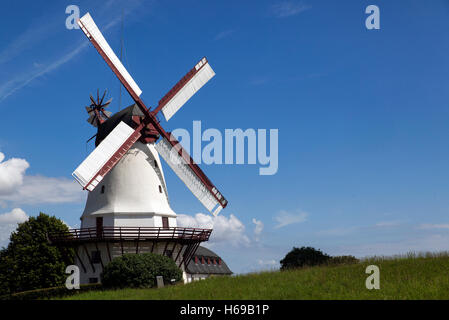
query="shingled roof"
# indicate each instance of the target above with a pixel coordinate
(203, 263)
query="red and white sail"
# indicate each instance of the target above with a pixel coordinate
(197, 77)
(120, 140)
(94, 34)
(179, 160)
(105, 156)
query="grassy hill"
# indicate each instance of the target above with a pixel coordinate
(410, 277)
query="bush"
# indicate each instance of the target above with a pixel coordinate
(139, 270)
(29, 261)
(302, 257)
(343, 260)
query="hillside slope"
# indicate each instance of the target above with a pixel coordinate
(404, 278)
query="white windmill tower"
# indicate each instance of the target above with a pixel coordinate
(127, 208)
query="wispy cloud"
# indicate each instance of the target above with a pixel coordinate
(285, 218)
(434, 226)
(33, 37)
(260, 80)
(224, 34)
(23, 79)
(258, 228)
(29, 38)
(289, 8)
(387, 224)
(40, 189)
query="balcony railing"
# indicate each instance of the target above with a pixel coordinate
(131, 234)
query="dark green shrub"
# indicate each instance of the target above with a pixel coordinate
(302, 257)
(29, 261)
(343, 260)
(139, 270)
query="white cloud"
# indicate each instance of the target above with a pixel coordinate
(289, 8)
(285, 218)
(12, 172)
(225, 230)
(17, 215)
(258, 228)
(8, 223)
(40, 189)
(18, 189)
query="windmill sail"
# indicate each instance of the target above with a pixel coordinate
(104, 157)
(185, 88)
(191, 175)
(94, 34)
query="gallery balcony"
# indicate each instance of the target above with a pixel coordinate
(123, 234)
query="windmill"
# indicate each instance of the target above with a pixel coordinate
(146, 127)
(127, 208)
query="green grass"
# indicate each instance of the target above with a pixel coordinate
(407, 277)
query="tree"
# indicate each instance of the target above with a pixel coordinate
(139, 270)
(30, 261)
(304, 256)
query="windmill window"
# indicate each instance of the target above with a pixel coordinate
(208, 260)
(202, 260)
(196, 260)
(102, 189)
(96, 256)
(155, 164)
(160, 189)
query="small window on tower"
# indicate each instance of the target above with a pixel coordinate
(165, 223)
(160, 189)
(155, 164)
(102, 189)
(96, 256)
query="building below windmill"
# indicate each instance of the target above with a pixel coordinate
(204, 264)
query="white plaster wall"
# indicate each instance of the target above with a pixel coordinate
(131, 189)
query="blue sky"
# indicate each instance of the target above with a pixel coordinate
(362, 116)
